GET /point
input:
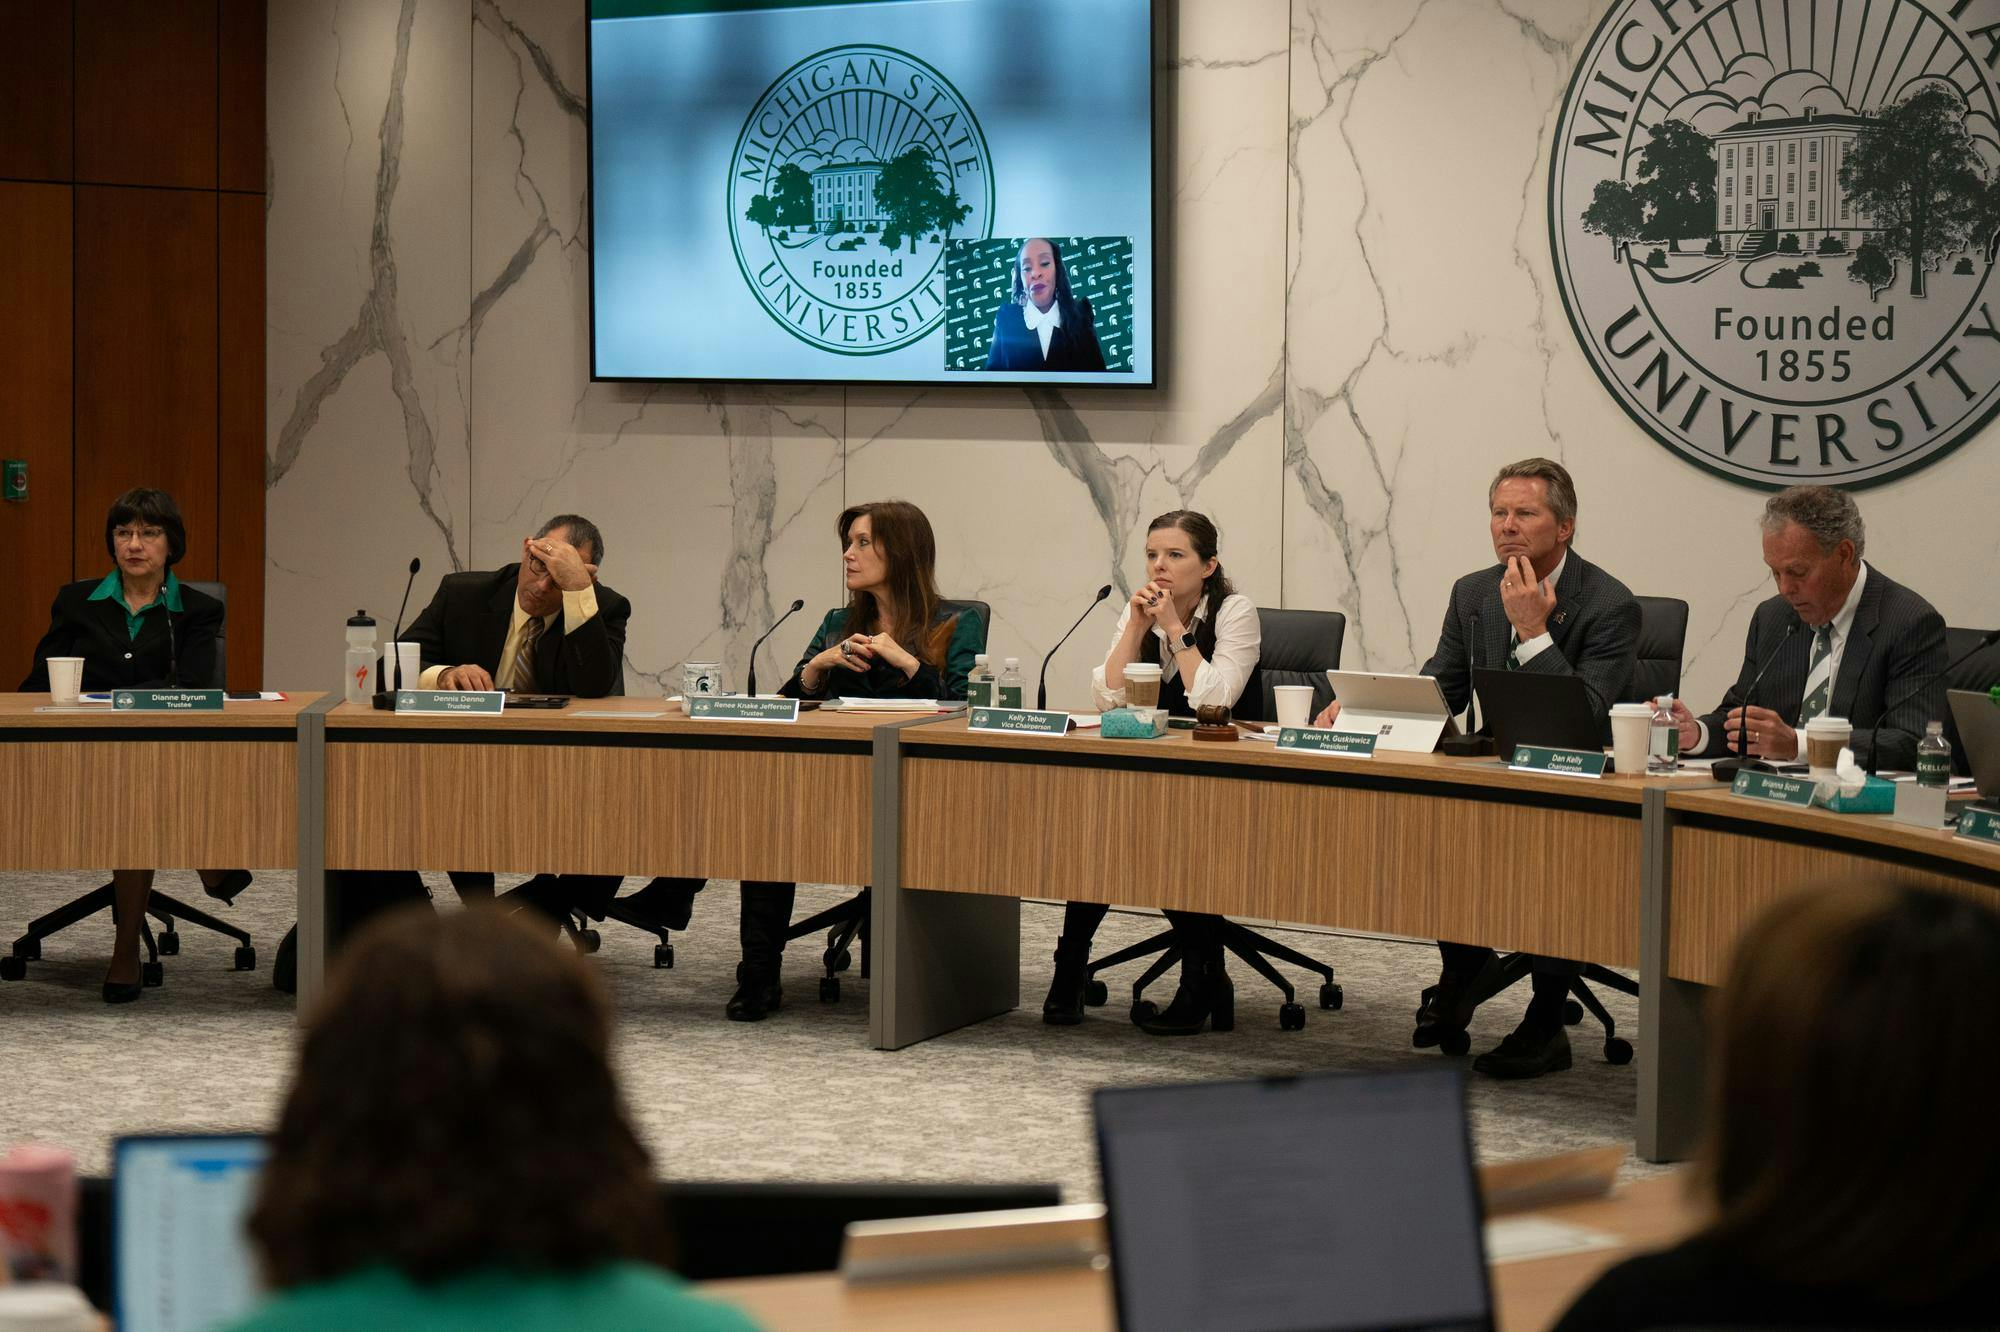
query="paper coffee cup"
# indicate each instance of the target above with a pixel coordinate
(38, 1213)
(1631, 726)
(1825, 738)
(409, 664)
(1142, 685)
(65, 679)
(1294, 704)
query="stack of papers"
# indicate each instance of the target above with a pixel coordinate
(889, 705)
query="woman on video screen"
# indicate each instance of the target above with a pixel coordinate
(1044, 326)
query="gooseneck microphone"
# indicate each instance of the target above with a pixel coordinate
(1725, 770)
(750, 681)
(385, 699)
(1042, 685)
(173, 650)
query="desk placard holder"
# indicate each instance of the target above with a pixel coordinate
(938, 960)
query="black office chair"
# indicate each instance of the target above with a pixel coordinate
(850, 918)
(1662, 637)
(167, 910)
(1979, 672)
(1298, 647)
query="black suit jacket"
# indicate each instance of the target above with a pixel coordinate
(1595, 628)
(95, 631)
(1073, 346)
(466, 625)
(1895, 654)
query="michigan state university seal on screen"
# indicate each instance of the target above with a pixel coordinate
(1774, 225)
(854, 169)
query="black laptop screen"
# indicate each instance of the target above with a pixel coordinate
(1336, 1201)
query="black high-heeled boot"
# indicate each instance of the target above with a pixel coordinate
(1064, 1006)
(1206, 996)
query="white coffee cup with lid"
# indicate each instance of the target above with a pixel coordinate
(1631, 727)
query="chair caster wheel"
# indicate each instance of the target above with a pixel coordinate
(663, 955)
(1331, 996)
(588, 941)
(246, 958)
(1291, 1017)
(1144, 1010)
(838, 959)
(1618, 1050)
(1455, 1043)
(152, 973)
(1096, 993)
(169, 943)
(13, 968)
(1572, 1012)
(829, 989)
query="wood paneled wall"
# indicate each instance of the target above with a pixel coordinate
(132, 176)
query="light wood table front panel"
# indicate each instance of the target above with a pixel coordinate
(532, 791)
(99, 790)
(1732, 858)
(1405, 845)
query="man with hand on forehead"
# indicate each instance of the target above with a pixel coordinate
(543, 626)
(1546, 609)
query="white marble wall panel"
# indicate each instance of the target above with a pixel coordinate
(366, 398)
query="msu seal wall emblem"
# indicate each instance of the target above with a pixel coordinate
(1774, 226)
(853, 171)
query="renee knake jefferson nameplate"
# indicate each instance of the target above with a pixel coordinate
(1770, 229)
(166, 700)
(708, 707)
(459, 702)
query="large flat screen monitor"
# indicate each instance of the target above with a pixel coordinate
(872, 191)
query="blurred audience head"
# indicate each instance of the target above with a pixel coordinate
(454, 1109)
(1853, 1087)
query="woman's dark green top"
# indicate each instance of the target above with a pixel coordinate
(881, 680)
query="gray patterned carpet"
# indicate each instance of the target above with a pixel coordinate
(797, 1097)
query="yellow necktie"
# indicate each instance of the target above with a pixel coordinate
(521, 679)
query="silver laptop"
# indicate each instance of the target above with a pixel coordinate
(1977, 717)
(1403, 712)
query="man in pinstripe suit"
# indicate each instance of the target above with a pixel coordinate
(1543, 608)
(1842, 639)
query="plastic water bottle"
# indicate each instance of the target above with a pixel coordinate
(1663, 739)
(360, 669)
(979, 684)
(1934, 757)
(1013, 685)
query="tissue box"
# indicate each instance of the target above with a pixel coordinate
(1876, 796)
(1134, 723)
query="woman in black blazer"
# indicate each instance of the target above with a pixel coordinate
(1043, 325)
(137, 627)
(893, 639)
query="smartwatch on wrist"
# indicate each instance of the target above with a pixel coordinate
(1185, 641)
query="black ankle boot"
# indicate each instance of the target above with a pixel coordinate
(1205, 996)
(1064, 1006)
(758, 992)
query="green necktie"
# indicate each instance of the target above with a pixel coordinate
(1819, 675)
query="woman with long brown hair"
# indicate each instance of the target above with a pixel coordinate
(1204, 635)
(895, 638)
(1850, 1161)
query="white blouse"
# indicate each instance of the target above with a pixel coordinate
(1220, 679)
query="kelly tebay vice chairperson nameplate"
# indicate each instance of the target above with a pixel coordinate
(1773, 226)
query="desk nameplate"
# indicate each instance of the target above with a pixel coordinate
(1979, 825)
(1558, 762)
(710, 707)
(1018, 721)
(451, 702)
(1774, 787)
(166, 700)
(1315, 740)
